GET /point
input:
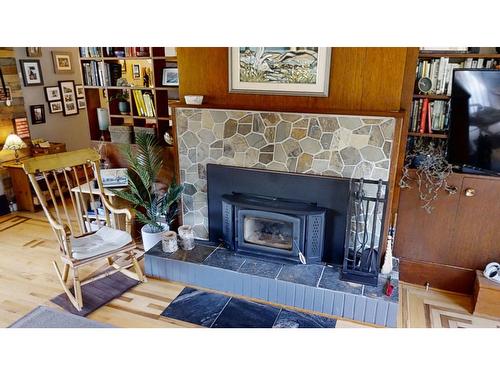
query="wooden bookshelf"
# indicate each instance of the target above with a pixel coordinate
(428, 135)
(153, 60)
(453, 58)
(431, 96)
(432, 55)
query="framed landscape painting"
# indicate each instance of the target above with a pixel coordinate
(280, 70)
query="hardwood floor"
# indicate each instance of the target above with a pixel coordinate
(27, 280)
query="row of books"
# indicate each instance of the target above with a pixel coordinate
(440, 71)
(144, 103)
(99, 73)
(90, 51)
(428, 116)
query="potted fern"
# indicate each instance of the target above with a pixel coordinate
(155, 206)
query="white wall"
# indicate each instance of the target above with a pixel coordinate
(72, 130)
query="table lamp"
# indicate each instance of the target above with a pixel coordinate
(13, 142)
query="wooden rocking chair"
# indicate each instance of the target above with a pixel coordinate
(82, 241)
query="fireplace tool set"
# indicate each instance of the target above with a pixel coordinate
(366, 213)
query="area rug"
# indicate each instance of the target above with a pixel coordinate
(215, 310)
(97, 293)
(45, 317)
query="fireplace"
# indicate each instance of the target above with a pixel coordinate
(273, 227)
(281, 212)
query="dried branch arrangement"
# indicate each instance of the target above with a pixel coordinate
(431, 169)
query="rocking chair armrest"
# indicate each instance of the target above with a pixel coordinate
(119, 211)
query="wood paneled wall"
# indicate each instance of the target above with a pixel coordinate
(361, 79)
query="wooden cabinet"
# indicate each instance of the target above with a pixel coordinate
(53, 149)
(461, 235)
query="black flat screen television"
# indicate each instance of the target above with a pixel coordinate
(474, 134)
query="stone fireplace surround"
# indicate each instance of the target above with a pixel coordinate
(318, 144)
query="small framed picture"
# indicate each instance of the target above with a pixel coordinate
(34, 51)
(37, 114)
(31, 72)
(170, 77)
(136, 71)
(80, 93)
(69, 100)
(55, 107)
(62, 62)
(81, 103)
(52, 93)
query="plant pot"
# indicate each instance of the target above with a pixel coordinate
(149, 239)
(124, 108)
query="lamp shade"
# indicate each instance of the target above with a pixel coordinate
(13, 142)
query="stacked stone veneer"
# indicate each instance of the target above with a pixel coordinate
(343, 146)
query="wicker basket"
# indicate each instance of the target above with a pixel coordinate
(121, 134)
(143, 130)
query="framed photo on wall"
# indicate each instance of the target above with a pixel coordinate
(69, 100)
(280, 70)
(52, 93)
(170, 77)
(56, 107)
(81, 103)
(80, 93)
(31, 72)
(34, 51)
(62, 62)
(37, 114)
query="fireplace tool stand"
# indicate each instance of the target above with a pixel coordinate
(365, 218)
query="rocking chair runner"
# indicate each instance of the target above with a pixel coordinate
(83, 242)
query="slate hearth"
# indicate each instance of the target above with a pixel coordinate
(312, 287)
(215, 310)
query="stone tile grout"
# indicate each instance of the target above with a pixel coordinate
(320, 277)
(220, 312)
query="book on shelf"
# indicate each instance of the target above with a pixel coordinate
(99, 73)
(90, 52)
(429, 116)
(440, 71)
(144, 102)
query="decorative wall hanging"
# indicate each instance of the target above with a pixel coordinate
(81, 103)
(80, 93)
(37, 114)
(52, 93)
(55, 107)
(280, 70)
(21, 127)
(34, 51)
(62, 62)
(70, 106)
(31, 72)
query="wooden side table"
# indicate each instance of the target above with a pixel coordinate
(486, 297)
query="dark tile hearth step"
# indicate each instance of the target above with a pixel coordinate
(313, 287)
(219, 311)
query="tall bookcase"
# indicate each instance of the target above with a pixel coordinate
(134, 62)
(442, 96)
